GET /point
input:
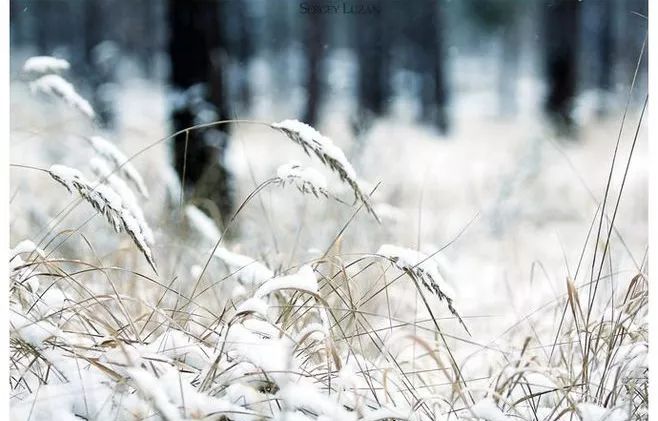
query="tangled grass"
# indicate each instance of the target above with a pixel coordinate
(217, 334)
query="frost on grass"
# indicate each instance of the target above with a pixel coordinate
(45, 64)
(116, 158)
(423, 268)
(324, 149)
(57, 86)
(109, 204)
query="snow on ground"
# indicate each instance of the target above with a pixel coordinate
(507, 204)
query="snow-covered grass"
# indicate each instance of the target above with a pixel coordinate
(483, 293)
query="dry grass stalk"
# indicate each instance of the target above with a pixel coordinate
(108, 203)
(312, 141)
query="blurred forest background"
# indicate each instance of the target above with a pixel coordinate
(424, 61)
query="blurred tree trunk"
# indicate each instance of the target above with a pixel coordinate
(606, 45)
(605, 53)
(278, 40)
(421, 46)
(438, 109)
(509, 67)
(373, 44)
(47, 14)
(99, 58)
(18, 25)
(196, 49)
(561, 32)
(314, 43)
(632, 20)
(244, 53)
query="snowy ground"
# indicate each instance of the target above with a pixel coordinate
(511, 204)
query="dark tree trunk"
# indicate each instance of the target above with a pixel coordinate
(509, 64)
(17, 27)
(439, 107)
(562, 32)
(315, 39)
(373, 45)
(197, 55)
(46, 13)
(421, 46)
(99, 65)
(244, 53)
(605, 53)
(606, 45)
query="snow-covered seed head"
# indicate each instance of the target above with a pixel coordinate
(45, 64)
(324, 149)
(307, 180)
(108, 203)
(108, 151)
(57, 86)
(423, 268)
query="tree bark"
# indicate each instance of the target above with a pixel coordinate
(197, 56)
(372, 48)
(315, 34)
(562, 32)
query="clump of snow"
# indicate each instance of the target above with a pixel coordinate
(152, 389)
(23, 275)
(247, 270)
(66, 176)
(303, 280)
(249, 344)
(255, 305)
(304, 395)
(25, 246)
(202, 223)
(52, 402)
(57, 86)
(33, 332)
(487, 409)
(181, 347)
(592, 412)
(45, 64)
